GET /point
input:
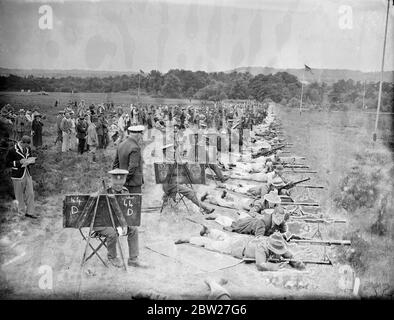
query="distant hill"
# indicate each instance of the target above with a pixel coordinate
(62, 73)
(323, 75)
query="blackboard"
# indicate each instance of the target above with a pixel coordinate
(74, 205)
(179, 175)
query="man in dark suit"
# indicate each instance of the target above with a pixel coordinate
(19, 160)
(129, 157)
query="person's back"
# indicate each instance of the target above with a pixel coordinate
(130, 158)
(92, 134)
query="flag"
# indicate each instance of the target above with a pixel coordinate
(308, 69)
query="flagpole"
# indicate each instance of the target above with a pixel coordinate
(302, 87)
(139, 73)
(381, 74)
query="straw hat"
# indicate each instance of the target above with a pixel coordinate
(277, 182)
(277, 244)
(272, 197)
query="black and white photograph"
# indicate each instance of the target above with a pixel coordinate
(161, 150)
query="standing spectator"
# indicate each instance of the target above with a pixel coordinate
(100, 131)
(129, 157)
(36, 129)
(20, 122)
(82, 129)
(106, 132)
(35, 112)
(28, 124)
(19, 160)
(59, 119)
(92, 139)
(73, 137)
(66, 126)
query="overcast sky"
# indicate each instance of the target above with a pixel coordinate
(205, 35)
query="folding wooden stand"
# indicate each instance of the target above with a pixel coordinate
(102, 239)
(181, 196)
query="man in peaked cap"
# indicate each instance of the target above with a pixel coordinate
(118, 178)
(129, 157)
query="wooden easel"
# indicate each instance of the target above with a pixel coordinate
(87, 238)
(170, 176)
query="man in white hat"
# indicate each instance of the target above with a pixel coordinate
(129, 157)
(118, 179)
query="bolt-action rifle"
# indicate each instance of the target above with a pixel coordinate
(322, 242)
(290, 185)
(268, 152)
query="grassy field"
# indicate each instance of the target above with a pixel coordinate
(337, 145)
(359, 175)
(35, 99)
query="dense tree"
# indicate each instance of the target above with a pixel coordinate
(172, 86)
(281, 87)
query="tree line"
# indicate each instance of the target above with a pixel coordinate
(281, 87)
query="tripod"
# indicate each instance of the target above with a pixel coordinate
(174, 173)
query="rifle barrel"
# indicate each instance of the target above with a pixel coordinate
(296, 166)
(324, 242)
(295, 171)
(310, 204)
(317, 220)
(312, 187)
(304, 261)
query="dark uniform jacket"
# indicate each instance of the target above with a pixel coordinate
(82, 129)
(263, 226)
(129, 157)
(13, 158)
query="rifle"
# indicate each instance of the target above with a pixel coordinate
(267, 153)
(317, 220)
(323, 242)
(312, 187)
(297, 166)
(303, 261)
(292, 158)
(290, 185)
(308, 204)
(294, 171)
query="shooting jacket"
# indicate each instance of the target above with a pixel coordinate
(13, 158)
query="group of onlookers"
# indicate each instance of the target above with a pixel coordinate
(23, 123)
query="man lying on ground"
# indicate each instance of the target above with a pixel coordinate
(260, 248)
(265, 224)
(254, 206)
